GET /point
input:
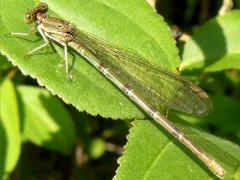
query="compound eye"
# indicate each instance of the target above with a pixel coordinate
(29, 18)
(43, 7)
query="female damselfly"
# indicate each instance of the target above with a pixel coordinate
(146, 84)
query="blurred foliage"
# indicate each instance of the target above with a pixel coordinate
(56, 141)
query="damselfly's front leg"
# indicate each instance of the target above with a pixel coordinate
(20, 34)
(32, 30)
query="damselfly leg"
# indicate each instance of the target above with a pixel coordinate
(45, 37)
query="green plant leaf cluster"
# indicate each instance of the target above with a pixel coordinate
(214, 47)
(31, 114)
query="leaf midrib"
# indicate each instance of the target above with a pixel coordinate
(159, 154)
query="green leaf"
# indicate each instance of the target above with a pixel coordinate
(46, 122)
(225, 114)
(143, 32)
(10, 141)
(215, 46)
(151, 154)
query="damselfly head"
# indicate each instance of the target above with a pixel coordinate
(31, 15)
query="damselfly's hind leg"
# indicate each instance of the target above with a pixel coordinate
(66, 61)
(64, 44)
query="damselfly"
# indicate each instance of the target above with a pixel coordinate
(146, 84)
